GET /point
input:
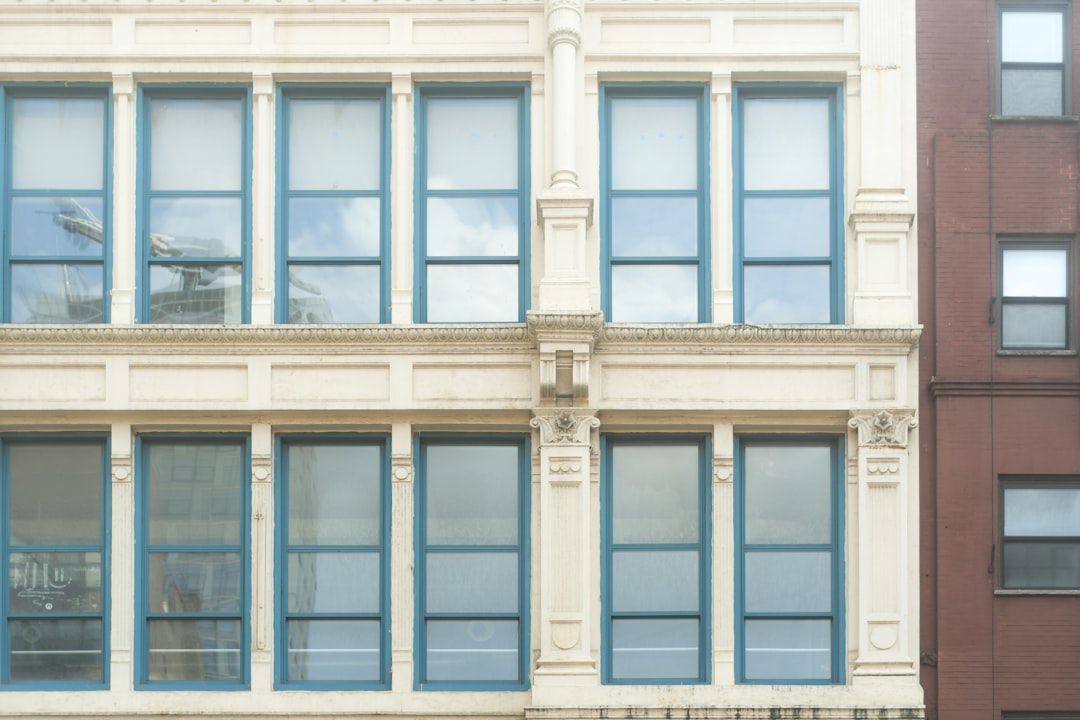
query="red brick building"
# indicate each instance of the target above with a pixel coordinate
(999, 210)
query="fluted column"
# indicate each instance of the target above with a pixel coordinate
(401, 557)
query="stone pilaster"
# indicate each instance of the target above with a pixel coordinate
(401, 557)
(262, 558)
(122, 559)
(262, 197)
(122, 294)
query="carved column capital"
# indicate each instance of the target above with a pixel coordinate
(564, 428)
(884, 428)
(564, 22)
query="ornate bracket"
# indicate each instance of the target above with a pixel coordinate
(564, 428)
(884, 428)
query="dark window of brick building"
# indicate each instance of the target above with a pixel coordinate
(1032, 59)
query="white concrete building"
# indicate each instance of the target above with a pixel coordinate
(449, 358)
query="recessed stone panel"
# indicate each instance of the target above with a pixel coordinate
(696, 384)
(509, 382)
(188, 383)
(52, 383)
(336, 383)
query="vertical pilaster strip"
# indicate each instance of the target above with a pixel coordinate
(122, 295)
(401, 200)
(122, 560)
(884, 29)
(720, 142)
(262, 557)
(564, 37)
(262, 199)
(401, 557)
(723, 557)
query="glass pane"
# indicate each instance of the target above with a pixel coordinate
(786, 227)
(1034, 272)
(472, 227)
(788, 494)
(788, 582)
(1034, 325)
(472, 143)
(786, 144)
(334, 227)
(55, 493)
(193, 650)
(57, 143)
(475, 650)
(194, 582)
(654, 227)
(334, 144)
(788, 650)
(472, 293)
(657, 649)
(1044, 565)
(786, 294)
(655, 493)
(1031, 37)
(54, 582)
(654, 144)
(195, 293)
(334, 293)
(55, 226)
(477, 583)
(195, 227)
(334, 496)
(343, 650)
(472, 494)
(56, 649)
(654, 293)
(195, 144)
(57, 293)
(196, 494)
(655, 581)
(1050, 512)
(1031, 91)
(334, 582)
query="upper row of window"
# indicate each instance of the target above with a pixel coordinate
(472, 200)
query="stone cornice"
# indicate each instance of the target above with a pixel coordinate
(721, 338)
(1008, 388)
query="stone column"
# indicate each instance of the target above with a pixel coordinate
(262, 558)
(401, 557)
(401, 200)
(122, 561)
(262, 200)
(122, 294)
(723, 556)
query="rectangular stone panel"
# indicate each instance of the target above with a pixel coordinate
(490, 32)
(340, 383)
(338, 32)
(496, 382)
(788, 31)
(188, 383)
(204, 33)
(654, 31)
(55, 33)
(52, 383)
(696, 384)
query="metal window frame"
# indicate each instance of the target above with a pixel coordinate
(1030, 482)
(1031, 242)
(1017, 6)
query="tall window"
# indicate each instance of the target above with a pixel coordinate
(1036, 295)
(1033, 52)
(56, 205)
(655, 550)
(194, 216)
(333, 564)
(789, 557)
(1040, 533)
(53, 492)
(472, 555)
(655, 211)
(334, 205)
(788, 207)
(472, 208)
(192, 567)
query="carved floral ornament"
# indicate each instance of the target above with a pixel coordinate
(564, 428)
(884, 428)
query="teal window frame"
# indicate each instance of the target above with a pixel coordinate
(1051, 539)
(287, 94)
(609, 94)
(1064, 66)
(81, 217)
(834, 258)
(608, 548)
(1065, 301)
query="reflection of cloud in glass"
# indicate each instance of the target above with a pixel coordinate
(195, 144)
(334, 227)
(42, 293)
(56, 226)
(195, 227)
(472, 226)
(57, 143)
(333, 294)
(654, 293)
(472, 143)
(779, 294)
(472, 293)
(655, 493)
(656, 227)
(654, 143)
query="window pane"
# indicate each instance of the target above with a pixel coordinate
(788, 494)
(195, 293)
(56, 293)
(194, 582)
(322, 650)
(654, 293)
(788, 650)
(54, 582)
(55, 493)
(472, 143)
(57, 143)
(1031, 37)
(196, 494)
(786, 294)
(655, 581)
(194, 650)
(788, 582)
(472, 494)
(472, 293)
(1034, 325)
(195, 227)
(1046, 565)
(655, 493)
(56, 226)
(1034, 272)
(336, 582)
(654, 144)
(472, 650)
(786, 227)
(334, 227)
(195, 144)
(334, 496)
(1050, 512)
(786, 144)
(67, 649)
(471, 227)
(334, 144)
(657, 649)
(477, 583)
(334, 293)
(654, 227)
(1031, 91)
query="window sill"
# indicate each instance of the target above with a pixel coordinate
(1036, 119)
(1036, 353)
(1027, 592)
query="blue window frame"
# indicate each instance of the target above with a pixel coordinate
(788, 207)
(194, 204)
(472, 205)
(333, 204)
(54, 552)
(333, 568)
(654, 203)
(56, 204)
(192, 570)
(655, 546)
(1033, 58)
(789, 602)
(472, 563)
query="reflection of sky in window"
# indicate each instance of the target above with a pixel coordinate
(786, 294)
(1034, 272)
(334, 227)
(786, 144)
(196, 227)
(472, 143)
(654, 227)
(57, 143)
(472, 494)
(654, 293)
(472, 293)
(654, 144)
(479, 226)
(334, 144)
(56, 226)
(333, 494)
(788, 494)
(195, 144)
(1042, 511)
(786, 226)
(56, 293)
(1034, 37)
(655, 493)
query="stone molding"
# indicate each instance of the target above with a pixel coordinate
(564, 428)
(703, 336)
(883, 429)
(691, 712)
